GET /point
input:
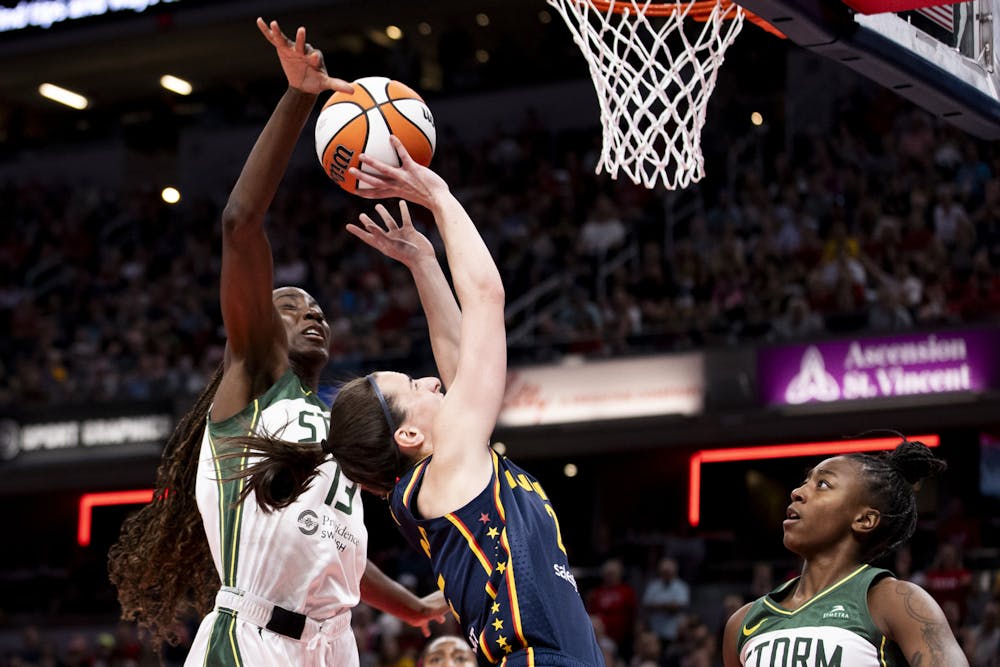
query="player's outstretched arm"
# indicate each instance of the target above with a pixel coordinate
(255, 337)
(461, 463)
(384, 594)
(404, 243)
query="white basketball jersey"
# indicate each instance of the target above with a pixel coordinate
(307, 557)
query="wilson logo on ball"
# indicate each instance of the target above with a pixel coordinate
(342, 157)
(352, 124)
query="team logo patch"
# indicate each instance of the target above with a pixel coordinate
(308, 522)
(837, 611)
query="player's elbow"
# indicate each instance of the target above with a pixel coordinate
(237, 217)
(488, 289)
(493, 293)
(481, 292)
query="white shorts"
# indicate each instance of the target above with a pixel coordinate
(233, 635)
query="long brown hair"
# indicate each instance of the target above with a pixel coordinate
(359, 439)
(161, 564)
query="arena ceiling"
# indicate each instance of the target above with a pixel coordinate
(120, 57)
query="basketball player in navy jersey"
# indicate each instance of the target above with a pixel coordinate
(487, 526)
(850, 510)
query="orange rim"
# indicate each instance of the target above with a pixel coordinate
(700, 11)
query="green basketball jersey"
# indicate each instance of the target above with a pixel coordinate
(833, 629)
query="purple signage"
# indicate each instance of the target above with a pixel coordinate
(878, 367)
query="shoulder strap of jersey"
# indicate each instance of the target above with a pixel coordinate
(401, 506)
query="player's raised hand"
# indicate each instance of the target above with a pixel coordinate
(303, 65)
(402, 242)
(411, 181)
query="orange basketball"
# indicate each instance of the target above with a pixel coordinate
(361, 122)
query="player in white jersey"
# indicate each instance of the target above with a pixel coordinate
(278, 585)
(841, 612)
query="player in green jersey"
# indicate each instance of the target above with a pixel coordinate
(842, 612)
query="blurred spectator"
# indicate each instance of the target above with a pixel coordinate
(696, 645)
(761, 580)
(948, 580)
(902, 566)
(603, 230)
(366, 634)
(78, 653)
(664, 602)
(982, 641)
(888, 312)
(934, 309)
(958, 527)
(731, 603)
(609, 647)
(614, 602)
(949, 216)
(32, 650)
(648, 650)
(797, 320)
(391, 654)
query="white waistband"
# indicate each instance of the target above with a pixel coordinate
(257, 610)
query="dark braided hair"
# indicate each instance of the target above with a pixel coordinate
(360, 440)
(161, 564)
(891, 478)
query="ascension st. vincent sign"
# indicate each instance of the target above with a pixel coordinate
(880, 367)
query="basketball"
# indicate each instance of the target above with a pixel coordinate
(350, 124)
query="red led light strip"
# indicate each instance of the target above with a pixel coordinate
(89, 501)
(883, 6)
(782, 452)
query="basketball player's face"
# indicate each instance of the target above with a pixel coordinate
(419, 398)
(307, 330)
(448, 652)
(824, 507)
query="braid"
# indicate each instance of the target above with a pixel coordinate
(161, 564)
(891, 479)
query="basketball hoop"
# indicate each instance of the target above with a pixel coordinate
(654, 72)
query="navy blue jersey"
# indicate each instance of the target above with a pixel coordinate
(501, 564)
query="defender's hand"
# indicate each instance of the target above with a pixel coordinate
(303, 65)
(434, 607)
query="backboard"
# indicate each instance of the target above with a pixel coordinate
(940, 55)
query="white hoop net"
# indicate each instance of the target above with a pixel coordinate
(654, 76)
